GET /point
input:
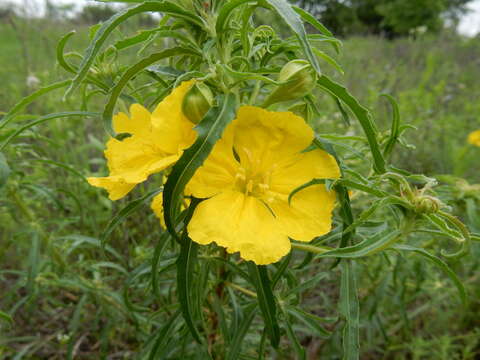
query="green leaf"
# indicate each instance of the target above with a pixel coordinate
(226, 11)
(350, 309)
(297, 346)
(443, 226)
(266, 301)
(107, 27)
(79, 241)
(395, 131)
(309, 320)
(368, 247)
(163, 336)
(316, 24)
(60, 50)
(363, 116)
(5, 317)
(130, 208)
(331, 61)
(346, 214)
(293, 20)
(440, 264)
(185, 265)
(129, 74)
(234, 349)
(209, 131)
(33, 261)
(281, 269)
(4, 170)
(30, 98)
(159, 248)
(146, 34)
(362, 187)
(42, 120)
(66, 167)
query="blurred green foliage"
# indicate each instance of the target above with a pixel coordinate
(384, 17)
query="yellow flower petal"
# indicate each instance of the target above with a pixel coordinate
(139, 123)
(217, 172)
(116, 186)
(157, 207)
(241, 224)
(301, 168)
(174, 130)
(135, 158)
(308, 215)
(474, 138)
(264, 137)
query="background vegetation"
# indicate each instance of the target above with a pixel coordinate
(68, 298)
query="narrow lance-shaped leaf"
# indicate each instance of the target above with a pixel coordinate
(5, 317)
(441, 265)
(362, 115)
(107, 27)
(209, 130)
(185, 266)
(266, 301)
(293, 20)
(370, 246)
(297, 346)
(60, 48)
(163, 337)
(130, 208)
(350, 309)
(4, 170)
(234, 349)
(225, 12)
(313, 322)
(30, 98)
(159, 249)
(395, 131)
(312, 20)
(42, 120)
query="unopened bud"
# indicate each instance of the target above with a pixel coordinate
(427, 204)
(197, 102)
(298, 78)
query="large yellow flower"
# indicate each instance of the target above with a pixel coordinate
(247, 180)
(474, 138)
(157, 141)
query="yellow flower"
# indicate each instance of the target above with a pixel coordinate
(157, 207)
(157, 141)
(474, 138)
(247, 180)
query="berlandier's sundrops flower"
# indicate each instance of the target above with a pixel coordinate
(474, 138)
(247, 180)
(157, 141)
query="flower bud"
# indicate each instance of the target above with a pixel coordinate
(197, 102)
(427, 204)
(298, 78)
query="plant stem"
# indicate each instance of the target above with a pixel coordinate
(241, 289)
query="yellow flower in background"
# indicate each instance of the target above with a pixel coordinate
(474, 138)
(157, 141)
(157, 207)
(247, 180)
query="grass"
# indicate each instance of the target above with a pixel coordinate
(69, 298)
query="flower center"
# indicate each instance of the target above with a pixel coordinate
(253, 184)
